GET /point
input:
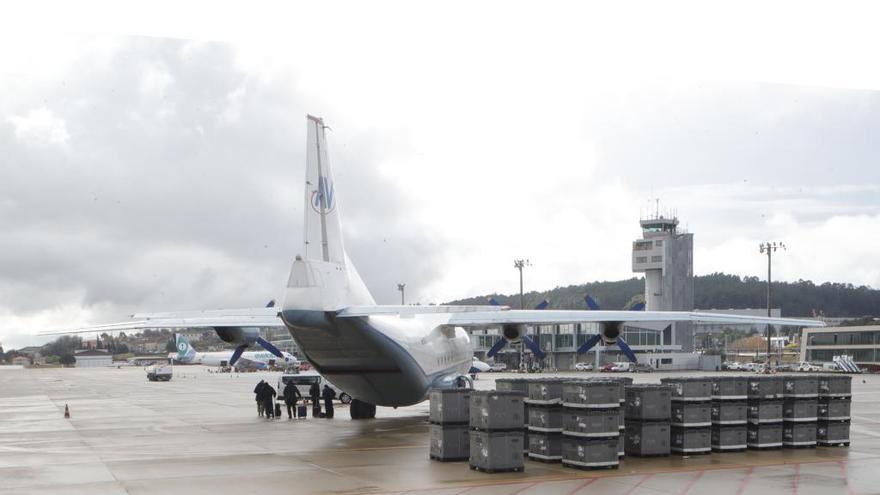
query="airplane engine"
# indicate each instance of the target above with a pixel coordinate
(611, 331)
(238, 335)
(513, 333)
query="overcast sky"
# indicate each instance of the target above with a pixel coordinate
(158, 165)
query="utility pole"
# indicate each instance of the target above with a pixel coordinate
(769, 248)
(402, 289)
(519, 264)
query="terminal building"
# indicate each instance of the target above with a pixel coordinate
(861, 343)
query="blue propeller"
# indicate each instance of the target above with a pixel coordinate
(271, 304)
(269, 347)
(531, 344)
(237, 354)
(595, 339)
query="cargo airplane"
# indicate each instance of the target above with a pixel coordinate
(187, 354)
(389, 355)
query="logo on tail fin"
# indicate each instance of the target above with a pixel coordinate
(185, 351)
(323, 196)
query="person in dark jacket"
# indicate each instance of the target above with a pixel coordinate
(315, 394)
(291, 396)
(258, 396)
(328, 394)
(269, 400)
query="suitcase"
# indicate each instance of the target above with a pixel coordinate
(301, 411)
(277, 410)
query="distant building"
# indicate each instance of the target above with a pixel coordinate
(21, 361)
(666, 256)
(93, 358)
(823, 344)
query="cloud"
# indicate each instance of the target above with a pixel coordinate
(40, 127)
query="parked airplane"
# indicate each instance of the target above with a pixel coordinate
(478, 366)
(187, 354)
(385, 355)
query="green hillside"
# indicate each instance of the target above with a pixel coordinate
(718, 291)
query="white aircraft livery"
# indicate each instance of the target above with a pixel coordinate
(187, 354)
(388, 355)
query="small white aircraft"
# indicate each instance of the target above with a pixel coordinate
(388, 355)
(187, 354)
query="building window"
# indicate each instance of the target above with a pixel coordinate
(642, 246)
(641, 259)
(658, 243)
(656, 259)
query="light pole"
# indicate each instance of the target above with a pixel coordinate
(519, 264)
(402, 289)
(769, 248)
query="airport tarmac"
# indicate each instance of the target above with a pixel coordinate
(200, 433)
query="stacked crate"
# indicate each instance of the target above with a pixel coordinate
(648, 410)
(590, 424)
(496, 431)
(691, 415)
(729, 413)
(835, 403)
(622, 381)
(800, 395)
(544, 410)
(765, 412)
(449, 417)
(520, 385)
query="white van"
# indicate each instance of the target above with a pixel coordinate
(304, 382)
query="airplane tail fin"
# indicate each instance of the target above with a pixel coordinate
(185, 351)
(322, 278)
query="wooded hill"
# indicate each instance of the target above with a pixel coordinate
(715, 291)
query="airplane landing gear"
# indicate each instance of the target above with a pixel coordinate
(361, 410)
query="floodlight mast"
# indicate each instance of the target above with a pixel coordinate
(519, 264)
(768, 248)
(402, 289)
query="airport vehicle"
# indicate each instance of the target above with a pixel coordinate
(389, 355)
(498, 367)
(617, 367)
(478, 366)
(808, 367)
(304, 381)
(583, 367)
(159, 373)
(187, 354)
(641, 368)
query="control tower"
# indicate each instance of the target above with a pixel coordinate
(666, 256)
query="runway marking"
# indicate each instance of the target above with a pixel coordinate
(582, 486)
(843, 471)
(644, 479)
(745, 481)
(692, 482)
(797, 478)
(524, 488)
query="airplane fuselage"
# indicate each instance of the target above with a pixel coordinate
(387, 360)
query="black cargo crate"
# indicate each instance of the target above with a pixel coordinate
(646, 439)
(832, 432)
(798, 434)
(799, 410)
(591, 422)
(729, 412)
(450, 442)
(591, 394)
(648, 402)
(835, 386)
(690, 389)
(545, 446)
(730, 388)
(546, 391)
(765, 387)
(496, 451)
(623, 382)
(513, 385)
(765, 411)
(690, 440)
(493, 410)
(726, 438)
(450, 406)
(834, 409)
(765, 436)
(547, 419)
(692, 414)
(590, 452)
(800, 386)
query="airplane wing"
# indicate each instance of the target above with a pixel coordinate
(244, 318)
(477, 316)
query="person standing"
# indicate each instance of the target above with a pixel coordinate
(269, 400)
(315, 395)
(328, 394)
(291, 396)
(258, 396)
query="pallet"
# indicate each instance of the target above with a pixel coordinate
(813, 446)
(685, 454)
(825, 443)
(725, 451)
(448, 459)
(545, 461)
(773, 447)
(492, 471)
(589, 468)
(648, 455)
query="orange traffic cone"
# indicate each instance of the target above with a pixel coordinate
(66, 412)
